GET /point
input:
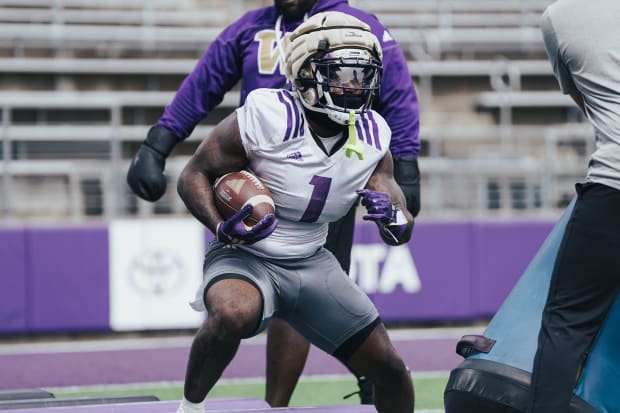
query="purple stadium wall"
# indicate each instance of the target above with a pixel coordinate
(57, 279)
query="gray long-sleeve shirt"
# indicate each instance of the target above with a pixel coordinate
(582, 39)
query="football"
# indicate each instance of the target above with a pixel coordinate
(236, 189)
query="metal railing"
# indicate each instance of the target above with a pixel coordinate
(48, 169)
(535, 170)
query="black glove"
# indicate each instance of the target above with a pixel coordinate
(146, 172)
(407, 176)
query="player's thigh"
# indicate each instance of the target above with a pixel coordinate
(234, 304)
(238, 283)
(330, 307)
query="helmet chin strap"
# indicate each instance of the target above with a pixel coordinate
(340, 118)
(353, 145)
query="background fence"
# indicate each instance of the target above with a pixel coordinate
(82, 81)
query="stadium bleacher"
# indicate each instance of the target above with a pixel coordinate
(81, 81)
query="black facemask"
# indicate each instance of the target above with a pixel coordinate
(348, 101)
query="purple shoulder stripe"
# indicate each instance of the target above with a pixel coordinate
(368, 130)
(375, 130)
(360, 130)
(289, 115)
(299, 119)
(302, 123)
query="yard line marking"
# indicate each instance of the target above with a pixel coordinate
(145, 343)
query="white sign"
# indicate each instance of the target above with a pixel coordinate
(155, 269)
(398, 268)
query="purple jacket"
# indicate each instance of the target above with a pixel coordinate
(246, 50)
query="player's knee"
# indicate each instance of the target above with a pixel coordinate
(234, 308)
(232, 322)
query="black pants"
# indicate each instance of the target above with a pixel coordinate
(340, 238)
(584, 285)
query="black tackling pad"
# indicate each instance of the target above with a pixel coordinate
(485, 386)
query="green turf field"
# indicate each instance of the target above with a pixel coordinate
(309, 391)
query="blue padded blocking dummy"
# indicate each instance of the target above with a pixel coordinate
(495, 375)
(599, 383)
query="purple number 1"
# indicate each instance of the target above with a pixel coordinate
(317, 199)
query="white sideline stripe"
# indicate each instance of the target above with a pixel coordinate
(246, 380)
(117, 344)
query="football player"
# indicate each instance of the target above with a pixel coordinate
(318, 149)
(250, 51)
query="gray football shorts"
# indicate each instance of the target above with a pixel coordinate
(314, 294)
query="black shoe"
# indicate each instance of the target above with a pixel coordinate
(366, 391)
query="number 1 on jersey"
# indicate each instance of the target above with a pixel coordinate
(317, 199)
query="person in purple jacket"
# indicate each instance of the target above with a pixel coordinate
(251, 50)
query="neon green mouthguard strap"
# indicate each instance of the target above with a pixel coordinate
(353, 145)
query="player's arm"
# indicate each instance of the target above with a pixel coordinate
(560, 68)
(386, 204)
(578, 98)
(398, 104)
(202, 89)
(221, 152)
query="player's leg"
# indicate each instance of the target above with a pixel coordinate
(287, 351)
(338, 317)
(234, 311)
(340, 242)
(377, 360)
(584, 284)
(239, 299)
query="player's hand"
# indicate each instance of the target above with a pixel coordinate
(390, 220)
(145, 176)
(378, 205)
(235, 231)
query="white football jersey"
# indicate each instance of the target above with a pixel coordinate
(309, 188)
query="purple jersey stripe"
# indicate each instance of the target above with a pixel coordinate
(360, 131)
(289, 115)
(366, 129)
(299, 120)
(375, 130)
(302, 124)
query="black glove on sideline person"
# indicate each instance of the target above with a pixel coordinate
(407, 176)
(146, 172)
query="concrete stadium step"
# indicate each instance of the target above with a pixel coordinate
(78, 401)
(212, 405)
(24, 394)
(354, 408)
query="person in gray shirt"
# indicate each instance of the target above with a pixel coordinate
(582, 40)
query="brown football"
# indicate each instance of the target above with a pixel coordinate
(236, 189)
